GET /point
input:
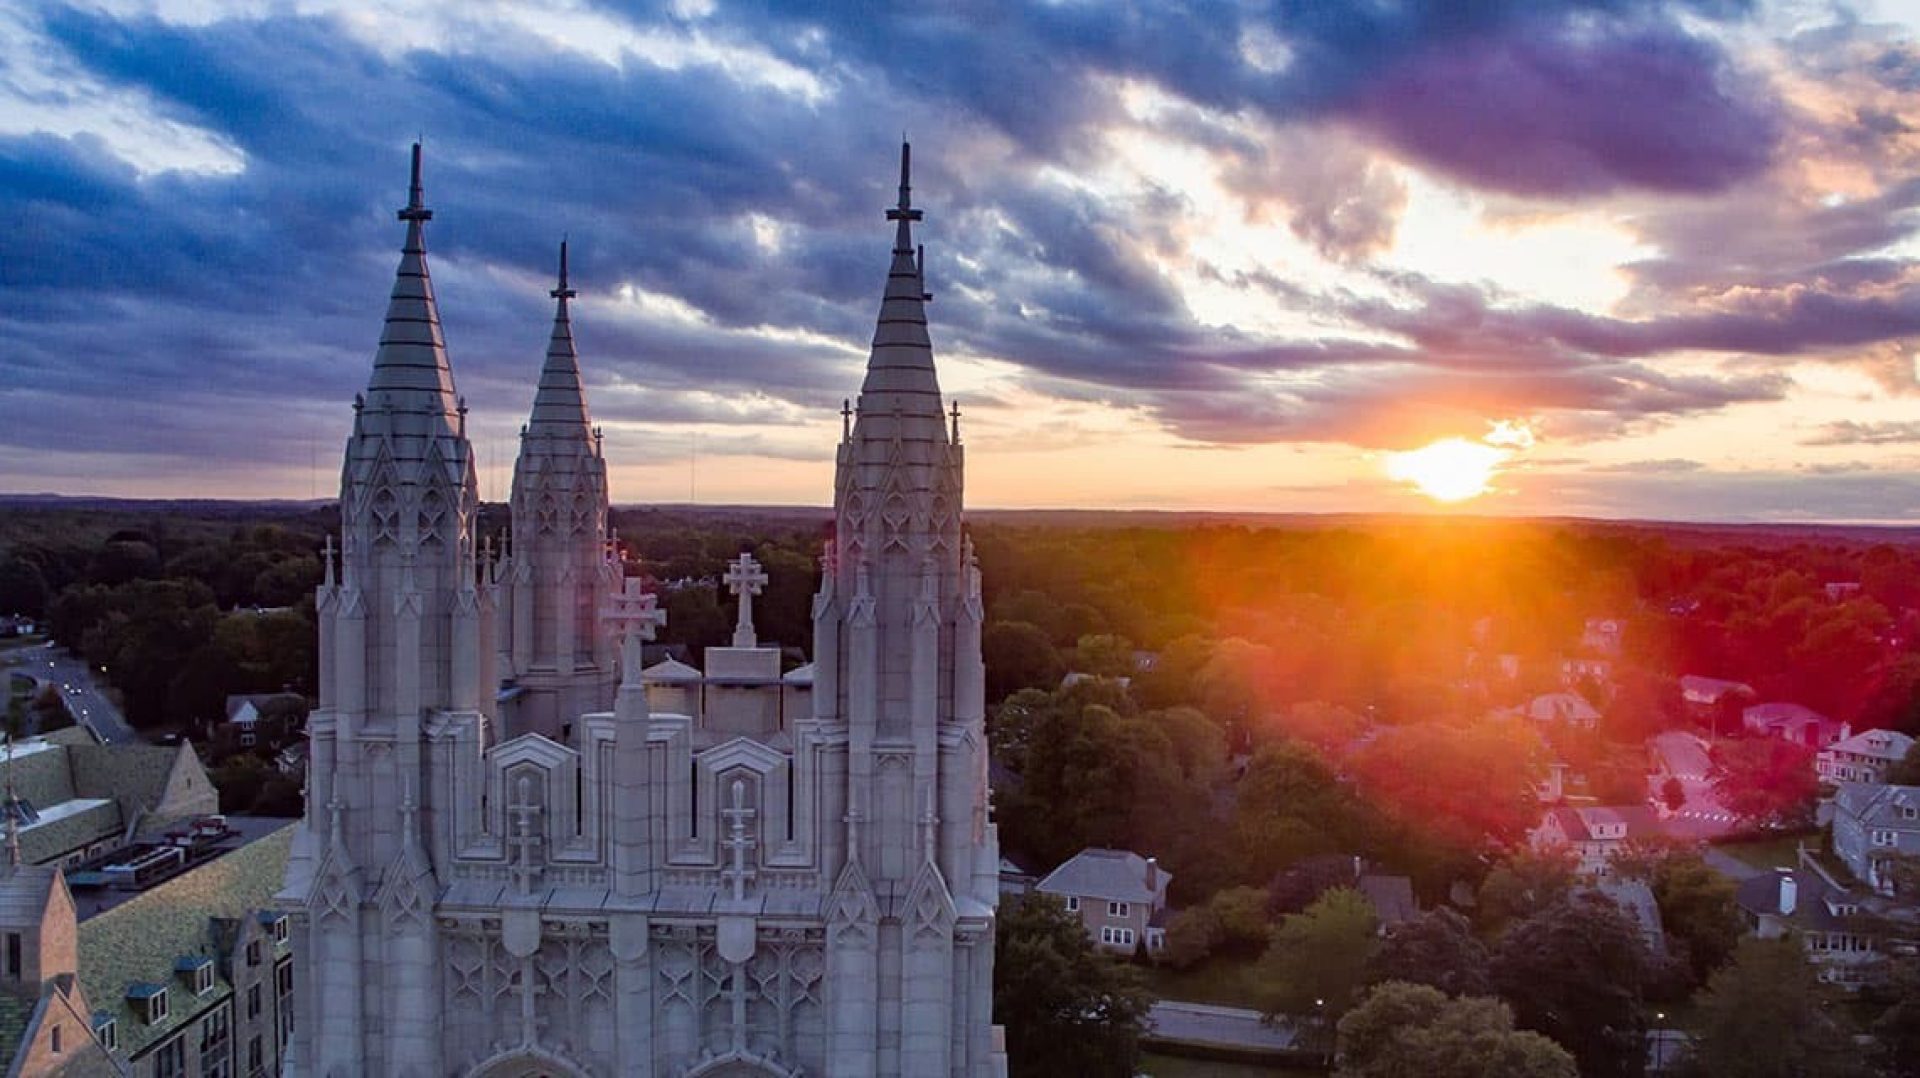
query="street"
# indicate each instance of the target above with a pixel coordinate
(1206, 1024)
(75, 681)
(1683, 755)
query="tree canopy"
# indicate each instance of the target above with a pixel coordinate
(1067, 1008)
(1404, 1030)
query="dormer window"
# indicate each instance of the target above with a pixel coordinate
(276, 923)
(197, 972)
(106, 1030)
(149, 1002)
(1908, 812)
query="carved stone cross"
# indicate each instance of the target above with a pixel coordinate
(745, 579)
(635, 618)
(523, 840)
(929, 828)
(737, 842)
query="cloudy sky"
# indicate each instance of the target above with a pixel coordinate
(1644, 259)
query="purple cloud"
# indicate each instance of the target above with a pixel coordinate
(1574, 109)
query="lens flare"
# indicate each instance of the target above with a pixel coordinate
(1449, 470)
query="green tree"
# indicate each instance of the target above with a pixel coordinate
(1242, 913)
(1413, 1029)
(1697, 910)
(1765, 1016)
(1192, 935)
(1523, 885)
(1437, 948)
(1896, 1032)
(1104, 654)
(23, 588)
(1906, 770)
(1575, 971)
(1018, 656)
(1067, 1008)
(1316, 962)
(1765, 780)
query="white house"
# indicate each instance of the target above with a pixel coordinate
(1864, 757)
(1564, 708)
(1595, 835)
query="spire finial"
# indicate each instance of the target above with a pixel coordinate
(416, 209)
(904, 211)
(563, 292)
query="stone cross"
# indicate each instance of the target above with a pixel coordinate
(635, 619)
(737, 842)
(745, 579)
(852, 820)
(929, 828)
(525, 813)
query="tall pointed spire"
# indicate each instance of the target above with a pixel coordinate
(900, 377)
(411, 375)
(560, 406)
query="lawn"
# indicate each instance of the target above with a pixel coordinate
(1229, 982)
(1774, 851)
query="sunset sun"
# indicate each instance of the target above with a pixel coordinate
(1449, 470)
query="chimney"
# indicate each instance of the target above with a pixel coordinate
(1789, 892)
(1153, 874)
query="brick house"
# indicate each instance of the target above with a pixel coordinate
(1119, 895)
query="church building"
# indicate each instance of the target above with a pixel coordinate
(525, 855)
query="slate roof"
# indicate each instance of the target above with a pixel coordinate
(1813, 902)
(1115, 875)
(139, 941)
(1579, 823)
(1391, 897)
(1710, 690)
(16, 1010)
(1877, 805)
(1888, 745)
(1636, 900)
(84, 791)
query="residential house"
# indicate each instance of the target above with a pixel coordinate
(1795, 723)
(1585, 670)
(1565, 709)
(1712, 692)
(1391, 898)
(1595, 835)
(1840, 591)
(1119, 895)
(74, 798)
(1807, 902)
(1636, 900)
(194, 977)
(1604, 636)
(1864, 757)
(1872, 825)
(259, 722)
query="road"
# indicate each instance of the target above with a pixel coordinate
(1206, 1024)
(1683, 755)
(75, 680)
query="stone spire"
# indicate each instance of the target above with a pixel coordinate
(412, 382)
(900, 379)
(558, 652)
(560, 406)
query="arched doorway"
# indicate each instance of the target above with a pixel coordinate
(740, 1065)
(526, 1063)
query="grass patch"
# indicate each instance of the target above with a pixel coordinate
(1774, 851)
(1226, 981)
(1160, 1066)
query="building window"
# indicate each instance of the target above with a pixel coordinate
(253, 952)
(156, 1006)
(1073, 903)
(1882, 838)
(202, 979)
(13, 955)
(279, 930)
(1118, 909)
(253, 1001)
(215, 1031)
(1122, 937)
(107, 1031)
(53, 1038)
(170, 1059)
(283, 998)
(256, 1057)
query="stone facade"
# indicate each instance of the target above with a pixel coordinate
(515, 864)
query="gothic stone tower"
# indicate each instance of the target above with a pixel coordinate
(770, 874)
(555, 652)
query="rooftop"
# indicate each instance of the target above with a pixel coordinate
(1115, 875)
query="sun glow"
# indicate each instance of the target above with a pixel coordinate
(1449, 470)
